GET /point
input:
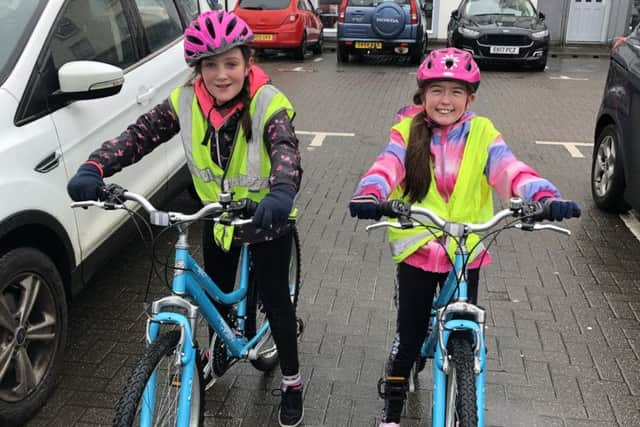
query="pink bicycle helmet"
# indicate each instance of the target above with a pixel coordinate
(212, 33)
(449, 64)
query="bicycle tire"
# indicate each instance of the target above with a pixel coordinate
(161, 350)
(461, 410)
(256, 315)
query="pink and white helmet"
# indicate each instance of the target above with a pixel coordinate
(212, 33)
(449, 64)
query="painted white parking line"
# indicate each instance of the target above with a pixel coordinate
(318, 59)
(318, 137)
(572, 147)
(632, 223)
(568, 78)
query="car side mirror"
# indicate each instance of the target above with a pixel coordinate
(81, 80)
(542, 16)
(455, 14)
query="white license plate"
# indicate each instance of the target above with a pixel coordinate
(504, 50)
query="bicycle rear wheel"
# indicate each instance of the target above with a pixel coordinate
(160, 359)
(461, 410)
(256, 314)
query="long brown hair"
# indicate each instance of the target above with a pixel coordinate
(417, 161)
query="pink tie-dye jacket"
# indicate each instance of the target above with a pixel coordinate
(506, 174)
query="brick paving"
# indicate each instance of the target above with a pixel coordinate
(563, 312)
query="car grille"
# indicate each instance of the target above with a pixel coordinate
(505, 40)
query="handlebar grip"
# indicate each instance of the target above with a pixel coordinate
(395, 209)
(111, 193)
(250, 208)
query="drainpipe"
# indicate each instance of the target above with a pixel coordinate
(566, 6)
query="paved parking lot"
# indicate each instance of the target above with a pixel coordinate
(564, 327)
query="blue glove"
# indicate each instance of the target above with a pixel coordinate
(84, 185)
(365, 207)
(275, 208)
(558, 209)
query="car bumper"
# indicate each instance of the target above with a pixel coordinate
(277, 38)
(506, 51)
(381, 47)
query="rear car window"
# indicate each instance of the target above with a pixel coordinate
(373, 2)
(264, 4)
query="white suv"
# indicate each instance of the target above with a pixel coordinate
(73, 73)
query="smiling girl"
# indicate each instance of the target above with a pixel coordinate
(237, 135)
(443, 157)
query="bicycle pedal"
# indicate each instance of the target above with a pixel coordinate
(393, 388)
(300, 327)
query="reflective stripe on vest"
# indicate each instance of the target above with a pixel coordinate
(471, 199)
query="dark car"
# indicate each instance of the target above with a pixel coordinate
(615, 170)
(371, 27)
(500, 31)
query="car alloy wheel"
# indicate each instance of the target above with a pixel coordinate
(33, 325)
(607, 171)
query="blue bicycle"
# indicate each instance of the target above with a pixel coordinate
(167, 385)
(455, 334)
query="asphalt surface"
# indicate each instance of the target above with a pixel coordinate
(563, 327)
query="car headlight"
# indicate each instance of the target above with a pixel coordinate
(468, 32)
(540, 34)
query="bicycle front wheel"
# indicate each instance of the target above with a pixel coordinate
(256, 314)
(461, 408)
(160, 359)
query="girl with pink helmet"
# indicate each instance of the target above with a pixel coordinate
(436, 148)
(227, 107)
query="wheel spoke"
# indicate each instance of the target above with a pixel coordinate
(25, 374)
(43, 330)
(6, 355)
(31, 286)
(7, 319)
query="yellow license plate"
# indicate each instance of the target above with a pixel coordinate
(263, 37)
(368, 45)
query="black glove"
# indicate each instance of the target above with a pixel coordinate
(558, 209)
(275, 208)
(84, 185)
(365, 207)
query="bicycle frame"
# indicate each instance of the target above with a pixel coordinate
(191, 280)
(435, 344)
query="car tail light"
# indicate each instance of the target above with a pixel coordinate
(343, 10)
(617, 42)
(413, 11)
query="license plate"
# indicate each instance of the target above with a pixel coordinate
(368, 45)
(263, 37)
(504, 50)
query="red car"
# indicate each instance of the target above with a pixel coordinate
(283, 24)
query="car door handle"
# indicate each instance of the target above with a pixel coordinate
(49, 163)
(145, 96)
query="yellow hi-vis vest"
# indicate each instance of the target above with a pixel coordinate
(471, 200)
(249, 165)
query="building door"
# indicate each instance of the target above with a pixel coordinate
(588, 21)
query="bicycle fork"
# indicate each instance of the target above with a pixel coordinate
(441, 403)
(184, 356)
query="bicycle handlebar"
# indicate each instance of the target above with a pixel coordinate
(112, 197)
(529, 212)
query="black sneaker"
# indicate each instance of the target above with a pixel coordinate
(291, 409)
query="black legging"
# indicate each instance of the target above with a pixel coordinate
(271, 268)
(414, 296)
